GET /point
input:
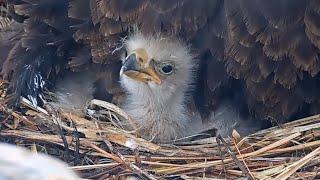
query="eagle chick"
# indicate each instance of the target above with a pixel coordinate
(157, 73)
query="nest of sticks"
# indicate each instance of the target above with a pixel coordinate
(100, 147)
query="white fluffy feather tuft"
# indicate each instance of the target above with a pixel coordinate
(74, 91)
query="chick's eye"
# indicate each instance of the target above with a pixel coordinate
(166, 68)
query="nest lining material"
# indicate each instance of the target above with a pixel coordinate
(100, 149)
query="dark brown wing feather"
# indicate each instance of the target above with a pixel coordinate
(270, 48)
(42, 50)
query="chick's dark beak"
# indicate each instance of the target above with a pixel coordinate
(131, 64)
(136, 67)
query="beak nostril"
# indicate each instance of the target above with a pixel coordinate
(140, 60)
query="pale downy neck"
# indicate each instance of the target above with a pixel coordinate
(158, 115)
